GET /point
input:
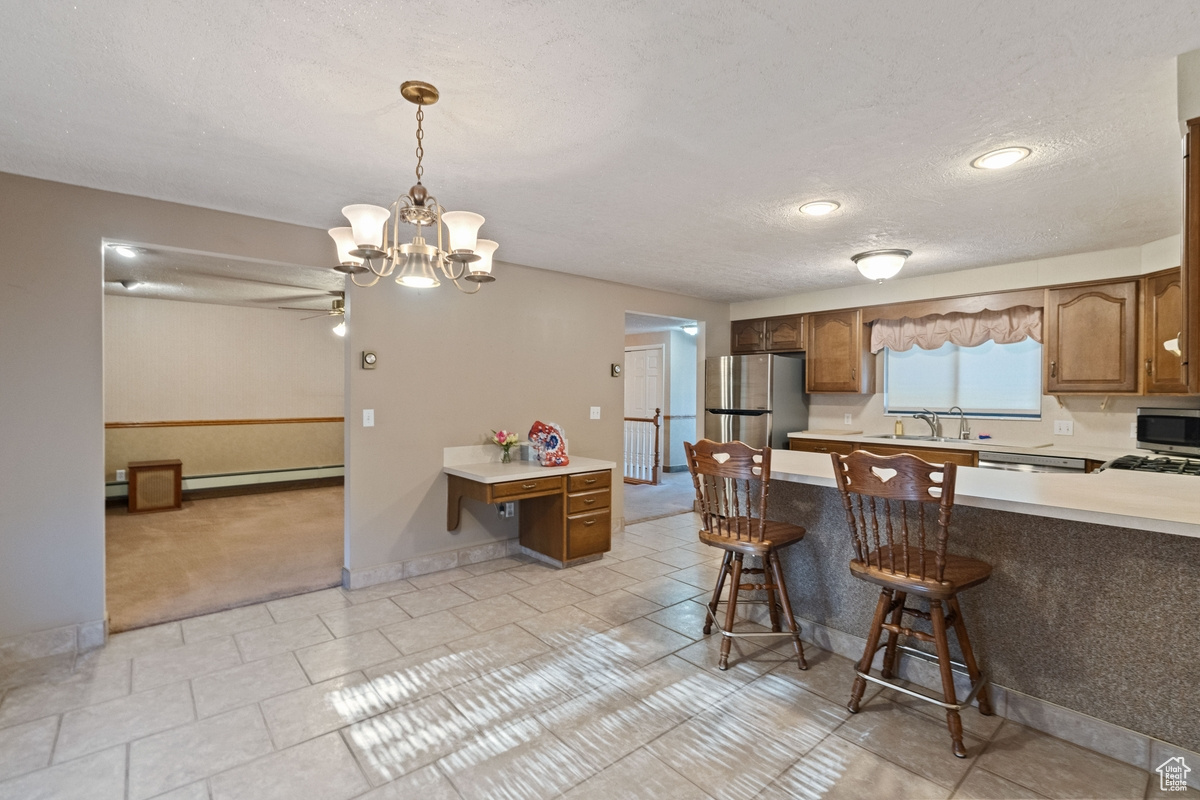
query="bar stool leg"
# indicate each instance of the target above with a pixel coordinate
(786, 602)
(860, 683)
(772, 584)
(889, 652)
(712, 607)
(937, 616)
(964, 643)
(731, 612)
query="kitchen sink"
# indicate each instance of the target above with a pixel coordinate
(912, 437)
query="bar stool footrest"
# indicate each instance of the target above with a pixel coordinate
(749, 634)
(955, 666)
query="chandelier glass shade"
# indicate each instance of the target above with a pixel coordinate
(372, 246)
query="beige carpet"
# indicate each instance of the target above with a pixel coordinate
(674, 494)
(220, 553)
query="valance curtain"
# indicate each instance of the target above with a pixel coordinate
(965, 330)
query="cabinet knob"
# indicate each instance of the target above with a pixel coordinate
(1053, 369)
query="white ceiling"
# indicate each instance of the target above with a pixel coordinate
(164, 273)
(653, 143)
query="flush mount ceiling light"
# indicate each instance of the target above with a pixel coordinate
(819, 208)
(124, 250)
(690, 330)
(878, 265)
(999, 159)
(372, 245)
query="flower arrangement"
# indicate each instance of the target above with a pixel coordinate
(505, 440)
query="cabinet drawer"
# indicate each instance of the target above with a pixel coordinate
(818, 446)
(588, 534)
(588, 501)
(534, 487)
(964, 458)
(587, 481)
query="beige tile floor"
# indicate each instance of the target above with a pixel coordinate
(506, 679)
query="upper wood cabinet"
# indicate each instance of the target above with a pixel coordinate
(785, 334)
(770, 335)
(1091, 335)
(747, 336)
(1190, 284)
(1162, 320)
(838, 353)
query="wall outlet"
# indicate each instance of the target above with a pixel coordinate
(1064, 427)
(595, 412)
(506, 510)
(368, 418)
(1133, 430)
(120, 474)
(848, 420)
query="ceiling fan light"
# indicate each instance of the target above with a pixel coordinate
(819, 208)
(344, 239)
(463, 227)
(999, 159)
(878, 265)
(366, 222)
(340, 328)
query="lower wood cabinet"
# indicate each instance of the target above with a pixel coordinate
(934, 455)
(821, 446)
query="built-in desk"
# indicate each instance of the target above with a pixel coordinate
(565, 512)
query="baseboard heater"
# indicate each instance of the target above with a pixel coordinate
(233, 479)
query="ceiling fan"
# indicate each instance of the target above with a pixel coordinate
(337, 309)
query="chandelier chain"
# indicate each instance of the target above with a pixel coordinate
(420, 148)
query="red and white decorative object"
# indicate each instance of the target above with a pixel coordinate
(551, 445)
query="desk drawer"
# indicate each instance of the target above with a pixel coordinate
(587, 481)
(588, 501)
(534, 487)
(588, 534)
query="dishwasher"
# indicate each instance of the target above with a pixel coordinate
(1026, 462)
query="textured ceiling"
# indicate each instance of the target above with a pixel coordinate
(164, 273)
(659, 144)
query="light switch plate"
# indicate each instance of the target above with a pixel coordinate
(595, 412)
(368, 418)
(1133, 430)
(848, 420)
(1064, 427)
(120, 474)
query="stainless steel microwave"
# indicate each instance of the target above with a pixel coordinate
(1169, 430)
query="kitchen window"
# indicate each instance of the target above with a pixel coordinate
(988, 380)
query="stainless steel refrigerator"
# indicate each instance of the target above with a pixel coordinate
(758, 400)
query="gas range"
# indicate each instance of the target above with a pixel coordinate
(1165, 464)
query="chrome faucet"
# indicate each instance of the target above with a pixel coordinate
(931, 419)
(964, 430)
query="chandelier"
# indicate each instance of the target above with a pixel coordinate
(371, 244)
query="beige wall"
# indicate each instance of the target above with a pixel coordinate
(532, 345)
(1093, 426)
(169, 360)
(51, 393)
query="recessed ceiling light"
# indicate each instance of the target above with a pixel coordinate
(999, 159)
(124, 250)
(819, 208)
(880, 264)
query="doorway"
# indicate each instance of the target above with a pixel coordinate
(662, 364)
(233, 367)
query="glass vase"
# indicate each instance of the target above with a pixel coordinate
(505, 456)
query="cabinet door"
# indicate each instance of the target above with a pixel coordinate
(1091, 339)
(785, 334)
(1162, 321)
(1191, 257)
(838, 360)
(747, 336)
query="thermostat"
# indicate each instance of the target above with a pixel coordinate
(368, 359)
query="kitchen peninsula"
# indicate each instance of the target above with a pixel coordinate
(565, 512)
(1091, 602)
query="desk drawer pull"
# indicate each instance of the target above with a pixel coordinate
(528, 485)
(590, 480)
(589, 501)
(589, 523)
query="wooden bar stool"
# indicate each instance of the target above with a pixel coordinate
(887, 501)
(731, 483)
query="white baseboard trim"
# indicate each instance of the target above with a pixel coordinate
(423, 565)
(121, 488)
(1130, 747)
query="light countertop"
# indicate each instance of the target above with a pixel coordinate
(1138, 500)
(495, 472)
(982, 445)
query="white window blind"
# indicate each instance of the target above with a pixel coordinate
(990, 380)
